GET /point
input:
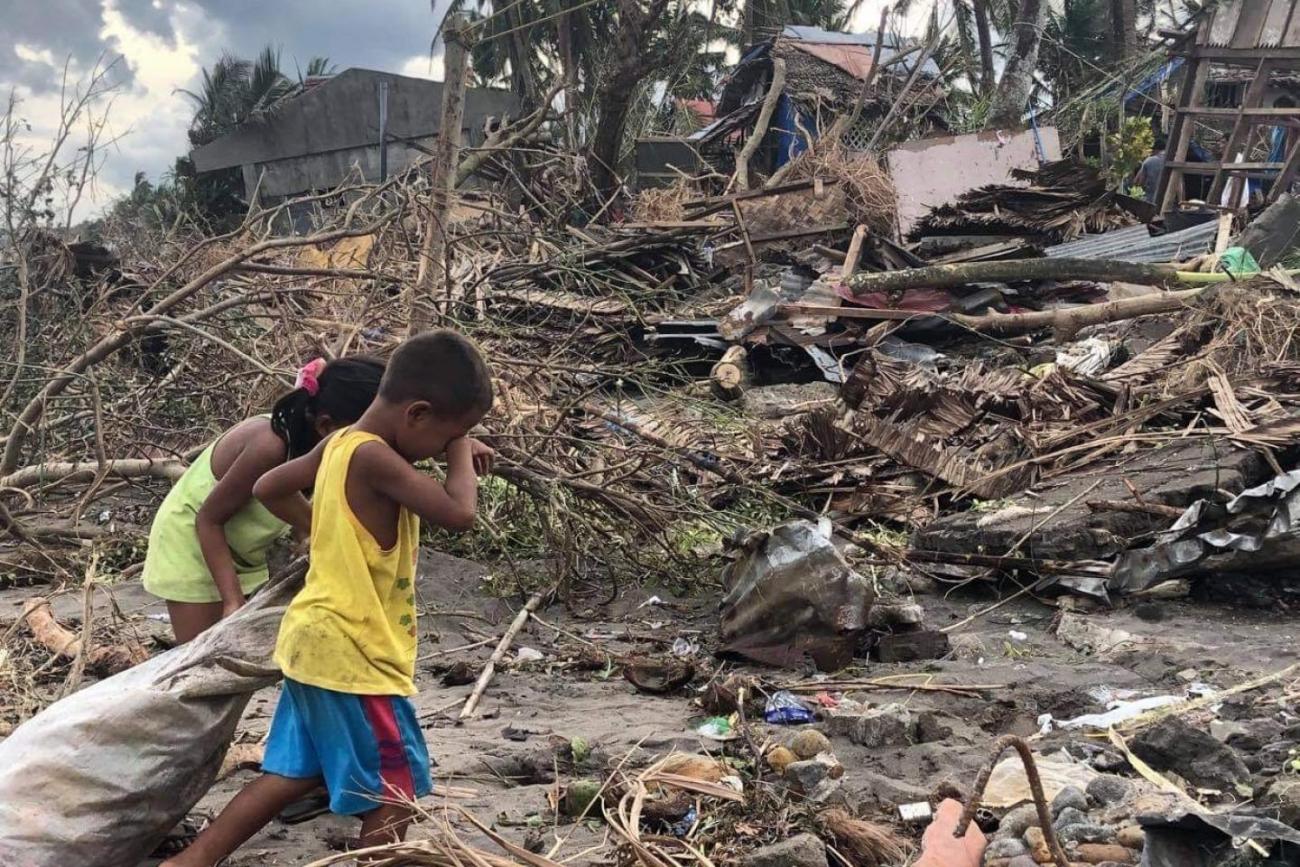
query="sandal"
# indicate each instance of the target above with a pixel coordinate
(315, 804)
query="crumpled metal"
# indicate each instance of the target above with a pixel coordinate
(1258, 528)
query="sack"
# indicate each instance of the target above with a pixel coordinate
(103, 775)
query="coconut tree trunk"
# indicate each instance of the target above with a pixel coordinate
(630, 65)
(984, 35)
(1123, 27)
(1018, 76)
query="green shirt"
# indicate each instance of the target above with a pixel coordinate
(174, 568)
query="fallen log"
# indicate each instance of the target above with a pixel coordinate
(950, 276)
(730, 374)
(65, 643)
(126, 468)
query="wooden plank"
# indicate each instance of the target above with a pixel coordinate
(1246, 56)
(1288, 174)
(1292, 37)
(1169, 189)
(1279, 13)
(1238, 138)
(850, 266)
(1224, 23)
(1224, 233)
(1250, 112)
(1249, 23)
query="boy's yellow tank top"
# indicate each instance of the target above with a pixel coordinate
(352, 626)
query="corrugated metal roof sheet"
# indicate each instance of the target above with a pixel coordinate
(1135, 244)
(857, 43)
(1254, 24)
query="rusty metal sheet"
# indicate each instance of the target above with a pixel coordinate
(923, 174)
(1224, 23)
(1249, 23)
(1279, 12)
(853, 59)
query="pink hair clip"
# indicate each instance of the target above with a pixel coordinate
(309, 376)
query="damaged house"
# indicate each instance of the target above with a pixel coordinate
(825, 73)
(358, 122)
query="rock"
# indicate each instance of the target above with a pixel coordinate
(1108, 790)
(1070, 796)
(1222, 730)
(1257, 733)
(816, 779)
(890, 726)
(1006, 847)
(930, 728)
(1131, 836)
(1070, 816)
(1018, 820)
(1109, 762)
(912, 646)
(808, 743)
(1037, 844)
(886, 614)
(1283, 799)
(1022, 861)
(1174, 745)
(1100, 853)
(1086, 832)
(804, 850)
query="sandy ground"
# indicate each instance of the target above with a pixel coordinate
(503, 763)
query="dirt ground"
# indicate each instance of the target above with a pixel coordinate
(502, 765)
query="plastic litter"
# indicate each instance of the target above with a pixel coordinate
(783, 709)
(717, 728)
(791, 595)
(528, 654)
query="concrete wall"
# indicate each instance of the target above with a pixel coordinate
(313, 141)
(294, 175)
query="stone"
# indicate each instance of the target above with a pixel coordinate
(1108, 790)
(883, 614)
(1283, 799)
(1132, 837)
(1022, 861)
(804, 850)
(1018, 820)
(915, 646)
(890, 726)
(930, 728)
(1006, 847)
(808, 743)
(1070, 796)
(1037, 844)
(1223, 730)
(1109, 762)
(1070, 816)
(1101, 853)
(1086, 832)
(1195, 755)
(816, 779)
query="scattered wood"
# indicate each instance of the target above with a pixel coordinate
(730, 374)
(63, 643)
(503, 647)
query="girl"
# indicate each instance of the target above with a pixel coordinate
(210, 538)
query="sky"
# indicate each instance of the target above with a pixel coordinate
(161, 46)
(158, 47)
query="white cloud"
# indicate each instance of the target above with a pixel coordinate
(420, 67)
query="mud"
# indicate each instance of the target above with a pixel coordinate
(503, 765)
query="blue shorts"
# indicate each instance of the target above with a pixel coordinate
(369, 748)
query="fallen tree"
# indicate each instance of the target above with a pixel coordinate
(1014, 270)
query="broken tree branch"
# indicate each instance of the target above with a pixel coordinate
(756, 136)
(503, 646)
(950, 276)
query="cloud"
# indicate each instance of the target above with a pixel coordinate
(163, 45)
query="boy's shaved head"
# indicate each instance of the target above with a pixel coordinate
(442, 368)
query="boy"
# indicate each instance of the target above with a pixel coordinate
(347, 642)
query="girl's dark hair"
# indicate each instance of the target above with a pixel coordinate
(347, 387)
